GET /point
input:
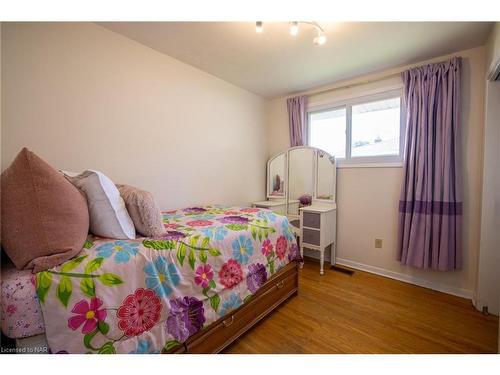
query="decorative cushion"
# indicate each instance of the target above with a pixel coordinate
(108, 216)
(45, 220)
(143, 210)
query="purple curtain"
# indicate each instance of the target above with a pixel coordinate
(297, 120)
(430, 208)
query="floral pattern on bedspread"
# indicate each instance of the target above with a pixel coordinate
(21, 315)
(149, 294)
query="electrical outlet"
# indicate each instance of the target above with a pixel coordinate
(378, 243)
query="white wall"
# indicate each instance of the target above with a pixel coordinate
(368, 197)
(81, 96)
(493, 46)
(488, 285)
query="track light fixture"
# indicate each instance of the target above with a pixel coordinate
(318, 40)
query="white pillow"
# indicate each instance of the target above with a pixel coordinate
(108, 215)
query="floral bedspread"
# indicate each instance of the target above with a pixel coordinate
(20, 309)
(143, 295)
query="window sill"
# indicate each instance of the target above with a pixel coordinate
(370, 165)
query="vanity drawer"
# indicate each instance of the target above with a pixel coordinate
(311, 236)
(312, 220)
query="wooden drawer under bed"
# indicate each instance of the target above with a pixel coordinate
(225, 330)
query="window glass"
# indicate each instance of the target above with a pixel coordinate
(327, 131)
(375, 128)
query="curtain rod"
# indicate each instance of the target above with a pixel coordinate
(314, 93)
(398, 72)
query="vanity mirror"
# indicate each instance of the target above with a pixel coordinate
(300, 178)
(325, 182)
(276, 168)
(301, 183)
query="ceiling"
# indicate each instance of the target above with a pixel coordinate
(274, 63)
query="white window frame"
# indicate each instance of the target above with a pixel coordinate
(364, 161)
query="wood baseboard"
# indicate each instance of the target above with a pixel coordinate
(464, 293)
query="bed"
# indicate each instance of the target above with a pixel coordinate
(214, 274)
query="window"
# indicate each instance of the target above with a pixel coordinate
(362, 131)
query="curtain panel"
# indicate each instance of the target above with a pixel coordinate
(430, 207)
(297, 120)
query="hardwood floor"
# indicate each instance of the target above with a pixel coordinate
(366, 313)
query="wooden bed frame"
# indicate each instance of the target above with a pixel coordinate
(222, 332)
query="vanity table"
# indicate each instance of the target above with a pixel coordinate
(301, 184)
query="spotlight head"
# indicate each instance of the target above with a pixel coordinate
(320, 39)
(258, 26)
